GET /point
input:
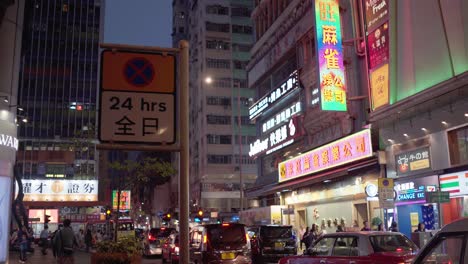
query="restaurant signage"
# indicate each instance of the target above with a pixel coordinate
(415, 161)
(346, 150)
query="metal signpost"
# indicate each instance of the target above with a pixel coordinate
(138, 109)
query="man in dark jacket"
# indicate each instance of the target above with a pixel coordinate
(64, 241)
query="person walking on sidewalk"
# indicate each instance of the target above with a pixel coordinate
(23, 244)
(44, 237)
(64, 241)
(88, 239)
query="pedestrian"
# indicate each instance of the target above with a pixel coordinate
(394, 227)
(339, 228)
(44, 237)
(313, 235)
(380, 227)
(421, 228)
(366, 226)
(23, 244)
(305, 238)
(64, 241)
(88, 239)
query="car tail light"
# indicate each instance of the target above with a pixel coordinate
(225, 224)
(150, 237)
(399, 250)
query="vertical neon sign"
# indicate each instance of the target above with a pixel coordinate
(330, 55)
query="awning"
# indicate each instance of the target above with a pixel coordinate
(310, 179)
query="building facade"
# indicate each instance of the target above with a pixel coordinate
(421, 111)
(58, 94)
(322, 160)
(220, 34)
(11, 17)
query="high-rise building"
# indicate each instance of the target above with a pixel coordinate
(220, 34)
(58, 95)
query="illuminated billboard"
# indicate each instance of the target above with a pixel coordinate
(330, 56)
(124, 200)
(60, 190)
(346, 150)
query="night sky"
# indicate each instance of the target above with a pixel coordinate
(138, 22)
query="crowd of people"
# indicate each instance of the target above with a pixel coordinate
(310, 235)
(62, 241)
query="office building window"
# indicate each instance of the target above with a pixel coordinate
(218, 120)
(217, 10)
(218, 100)
(217, 27)
(240, 65)
(458, 145)
(217, 44)
(241, 29)
(219, 139)
(241, 11)
(218, 63)
(219, 159)
(241, 47)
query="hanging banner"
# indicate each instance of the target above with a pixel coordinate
(330, 55)
(378, 46)
(124, 200)
(376, 13)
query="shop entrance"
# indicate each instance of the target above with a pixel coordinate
(360, 211)
(301, 219)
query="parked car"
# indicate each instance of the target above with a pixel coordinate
(171, 250)
(358, 248)
(220, 243)
(155, 239)
(272, 242)
(448, 246)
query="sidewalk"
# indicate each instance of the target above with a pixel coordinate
(37, 257)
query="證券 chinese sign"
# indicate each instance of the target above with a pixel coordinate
(124, 200)
(351, 148)
(414, 161)
(60, 190)
(330, 55)
(137, 102)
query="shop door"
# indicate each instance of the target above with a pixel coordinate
(361, 213)
(301, 219)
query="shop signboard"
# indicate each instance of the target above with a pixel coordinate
(8, 141)
(379, 84)
(331, 71)
(415, 190)
(274, 96)
(281, 117)
(386, 191)
(60, 190)
(454, 183)
(376, 13)
(278, 138)
(437, 197)
(346, 150)
(414, 161)
(124, 200)
(378, 46)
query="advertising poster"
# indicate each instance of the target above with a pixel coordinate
(330, 55)
(5, 183)
(378, 46)
(379, 83)
(376, 12)
(124, 200)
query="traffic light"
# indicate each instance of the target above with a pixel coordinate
(200, 213)
(47, 219)
(108, 214)
(167, 217)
